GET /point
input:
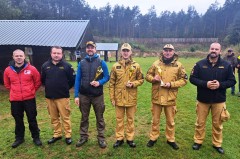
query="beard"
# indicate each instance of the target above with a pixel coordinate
(167, 60)
(213, 55)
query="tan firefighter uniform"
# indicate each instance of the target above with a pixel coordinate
(165, 98)
(125, 98)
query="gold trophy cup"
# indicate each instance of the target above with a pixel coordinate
(130, 73)
(159, 70)
(98, 73)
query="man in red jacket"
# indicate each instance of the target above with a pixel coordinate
(23, 80)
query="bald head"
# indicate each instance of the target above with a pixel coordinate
(214, 50)
(18, 51)
(216, 44)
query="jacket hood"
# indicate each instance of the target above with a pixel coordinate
(90, 58)
(175, 57)
(126, 62)
(12, 63)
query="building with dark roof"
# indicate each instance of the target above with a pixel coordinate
(107, 47)
(36, 37)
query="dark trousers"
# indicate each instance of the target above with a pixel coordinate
(233, 89)
(238, 81)
(99, 108)
(17, 110)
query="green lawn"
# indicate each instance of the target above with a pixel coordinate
(185, 120)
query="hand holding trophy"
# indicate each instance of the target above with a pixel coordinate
(159, 70)
(98, 73)
(129, 84)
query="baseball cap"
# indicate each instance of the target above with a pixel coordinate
(126, 46)
(230, 50)
(90, 43)
(168, 46)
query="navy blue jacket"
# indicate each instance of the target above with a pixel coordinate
(203, 72)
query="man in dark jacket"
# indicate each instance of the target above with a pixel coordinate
(92, 74)
(212, 76)
(233, 61)
(58, 77)
(23, 80)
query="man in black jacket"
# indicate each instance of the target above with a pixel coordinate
(212, 76)
(58, 77)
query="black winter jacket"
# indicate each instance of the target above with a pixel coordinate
(203, 72)
(58, 79)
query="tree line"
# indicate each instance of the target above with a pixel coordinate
(221, 22)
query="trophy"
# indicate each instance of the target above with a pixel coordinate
(159, 70)
(130, 73)
(98, 73)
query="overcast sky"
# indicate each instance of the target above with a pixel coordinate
(160, 5)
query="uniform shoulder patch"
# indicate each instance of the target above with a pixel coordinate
(118, 67)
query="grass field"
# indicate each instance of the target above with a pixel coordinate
(184, 121)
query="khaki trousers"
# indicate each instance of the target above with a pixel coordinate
(170, 112)
(202, 111)
(60, 108)
(130, 129)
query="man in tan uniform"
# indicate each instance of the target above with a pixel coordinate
(166, 75)
(126, 76)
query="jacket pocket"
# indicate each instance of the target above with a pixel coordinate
(118, 96)
(155, 91)
(172, 94)
(132, 96)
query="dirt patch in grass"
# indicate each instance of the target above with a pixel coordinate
(5, 116)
